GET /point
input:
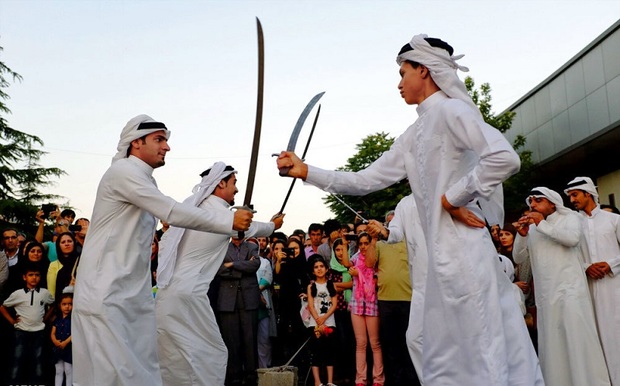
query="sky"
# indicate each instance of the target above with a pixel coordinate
(90, 66)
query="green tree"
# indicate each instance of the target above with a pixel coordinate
(516, 187)
(377, 204)
(21, 176)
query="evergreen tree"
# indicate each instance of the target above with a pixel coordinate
(21, 176)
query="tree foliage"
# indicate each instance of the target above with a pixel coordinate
(516, 187)
(21, 176)
(374, 205)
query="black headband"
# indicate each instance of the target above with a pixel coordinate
(577, 183)
(228, 168)
(537, 193)
(152, 125)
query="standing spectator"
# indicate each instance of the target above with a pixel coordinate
(80, 229)
(343, 283)
(315, 234)
(322, 303)
(365, 313)
(35, 253)
(266, 316)
(331, 228)
(69, 257)
(61, 339)
(237, 310)
(602, 232)
(568, 345)
(11, 251)
(394, 300)
(290, 274)
(263, 247)
(30, 306)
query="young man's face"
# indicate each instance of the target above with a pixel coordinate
(32, 279)
(542, 206)
(262, 243)
(411, 83)
(228, 189)
(315, 237)
(152, 148)
(579, 199)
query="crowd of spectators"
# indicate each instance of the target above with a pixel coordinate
(341, 339)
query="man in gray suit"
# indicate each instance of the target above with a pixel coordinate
(237, 310)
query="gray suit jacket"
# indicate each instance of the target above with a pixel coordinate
(240, 277)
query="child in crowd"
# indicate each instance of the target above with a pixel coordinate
(30, 305)
(322, 302)
(61, 338)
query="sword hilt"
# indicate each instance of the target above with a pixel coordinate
(284, 171)
(248, 207)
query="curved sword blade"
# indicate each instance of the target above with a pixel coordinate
(247, 201)
(292, 142)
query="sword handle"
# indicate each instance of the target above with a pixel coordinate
(284, 172)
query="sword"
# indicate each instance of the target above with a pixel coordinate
(292, 142)
(348, 207)
(247, 201)
(316, 118)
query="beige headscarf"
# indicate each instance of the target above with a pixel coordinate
(137, 127)
(170, 242)
(442, 67)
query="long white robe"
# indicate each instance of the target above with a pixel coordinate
(191, 348)
(602, 230)
(473, 330)
(406, 226)
(568, 345)
(113, 327)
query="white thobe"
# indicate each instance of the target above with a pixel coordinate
(472, 334)
(602, 230)
(406, 226)
(568, 345)
(113, 327)
(191, 348)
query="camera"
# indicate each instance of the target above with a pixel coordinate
(75, 228)
(290, 252)
(350, 236)
(47, 209)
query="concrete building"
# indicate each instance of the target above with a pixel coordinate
(572, 119)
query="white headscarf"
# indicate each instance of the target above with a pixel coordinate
(583, 183)
(170, 241)
(442, 67)
(131, 132)
(550, 195)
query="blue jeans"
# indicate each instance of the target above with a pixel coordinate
(27, 356)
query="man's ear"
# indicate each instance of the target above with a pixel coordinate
(424, 72)
(221, 184)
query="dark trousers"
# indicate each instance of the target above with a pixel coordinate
(27, 357)
(394, 319)
(239, 330)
